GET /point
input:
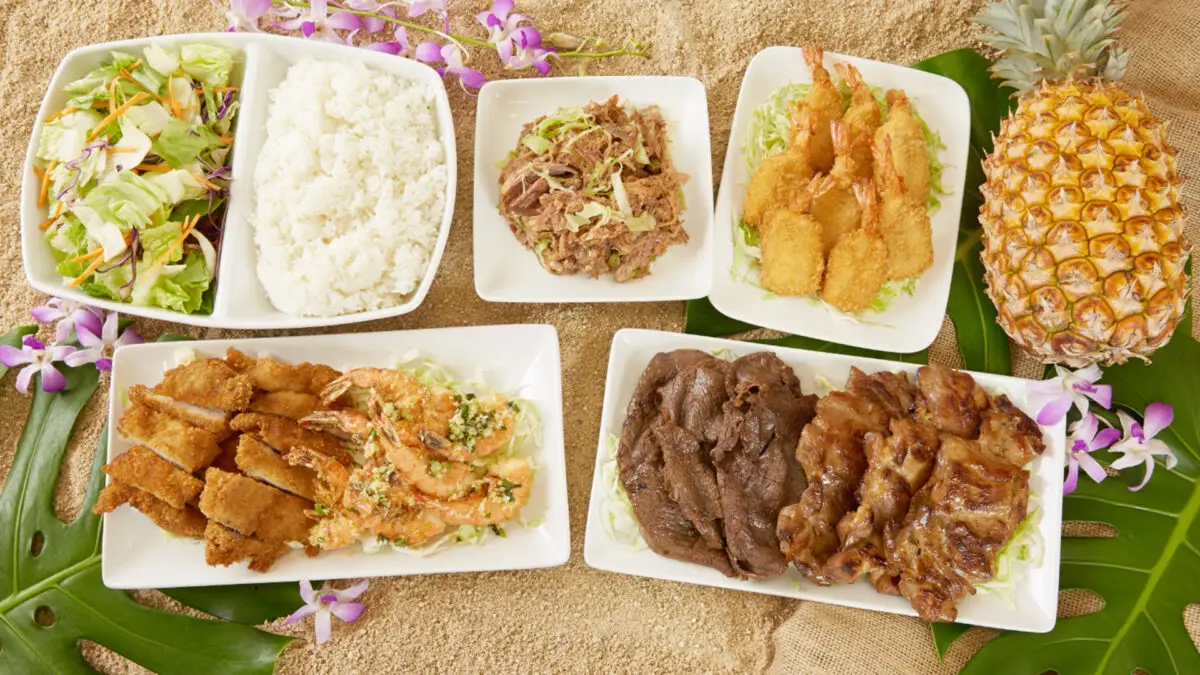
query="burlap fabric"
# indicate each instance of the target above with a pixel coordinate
(572, 618)
(1164, 38)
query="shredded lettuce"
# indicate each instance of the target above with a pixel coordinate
(180, 143)
(177, 287)
(207, 63)
(150, 118)
(1023, 550)
(616, 510)
(63, 139)
(165, 62)
(770, 124)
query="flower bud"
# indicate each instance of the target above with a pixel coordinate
(563, 41)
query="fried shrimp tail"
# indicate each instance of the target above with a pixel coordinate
(857, 266)
(863, 118)
(904, 221)
(825, 101)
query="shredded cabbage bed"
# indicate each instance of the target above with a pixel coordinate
(616, 511)
(770, 123)
(526, 439)
(1023, 550)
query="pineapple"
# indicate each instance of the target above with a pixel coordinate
(1082, 227)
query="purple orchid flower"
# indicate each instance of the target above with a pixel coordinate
(397, 47)
(100, 342)
(501, 22)
(369, 23)
(1139, 446)
(452, 55)
(418, 7)
(326, 602)
(525, 50)
(64, 314)
(319, 22)
(36, 357)
(245, 14)
(1086, 437)
(1070, 388)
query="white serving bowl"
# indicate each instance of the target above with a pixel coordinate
(240, 300)
(506, 272)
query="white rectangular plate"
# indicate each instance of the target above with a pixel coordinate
(911, 323)
(1036, 602)
(518, 360)
(240, 300)
(506, 272)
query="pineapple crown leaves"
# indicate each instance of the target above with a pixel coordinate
(1054, 39)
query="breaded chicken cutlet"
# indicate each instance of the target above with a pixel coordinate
(208, 383)
(141, 468)
(224, 547)
(290, 404)
(184, 522)
(184, 445)
(254, 509)
(215, 422)
(227, 460)
(271, 375)
(283, 435)
(258, 460)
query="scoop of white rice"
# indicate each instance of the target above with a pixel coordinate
(349, 189)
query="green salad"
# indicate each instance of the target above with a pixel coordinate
(134, 173)
(770, 126)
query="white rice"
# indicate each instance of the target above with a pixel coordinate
(349, 189)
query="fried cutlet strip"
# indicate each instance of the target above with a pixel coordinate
(283, 435)
(141, 468)
(259, 461)
(254, 509)
(224, 547)
(227, 460)
(857, 267)
(215, 422)
(113, 495)
(271, 375)
(290, 404)
(182, 444)
(208, 383)
(185, 522)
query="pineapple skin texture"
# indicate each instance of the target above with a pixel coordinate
(1083, 240)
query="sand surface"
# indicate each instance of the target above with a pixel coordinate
(569, 619)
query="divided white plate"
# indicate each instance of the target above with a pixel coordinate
(1036, 594)
(240, 300)
(519, 360)
(912, 322)
(506, 272)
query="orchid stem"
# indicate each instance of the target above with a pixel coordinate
(644, 52)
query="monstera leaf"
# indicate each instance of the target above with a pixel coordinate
(53, 593)
(982, 343)
(1148, 573)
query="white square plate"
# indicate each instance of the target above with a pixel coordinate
(1036, 601)
(506, 272)
(518, 360)
(240, 300)
(911, 323)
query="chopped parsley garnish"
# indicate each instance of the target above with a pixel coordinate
(505, 489)
(321, 509)
(470, 421)
(498, 531)
(437, 468)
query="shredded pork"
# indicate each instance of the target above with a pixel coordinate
(560, 198)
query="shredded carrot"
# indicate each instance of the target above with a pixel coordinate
(205, 182)
(51, 219)
(121, 148)
(45, 185)
(38, 171)
(171, 99)
(88, 256)
(88, 272)
(225, 139)
(224, 89)
(137, 98)
(158, 168)
(60, 113)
